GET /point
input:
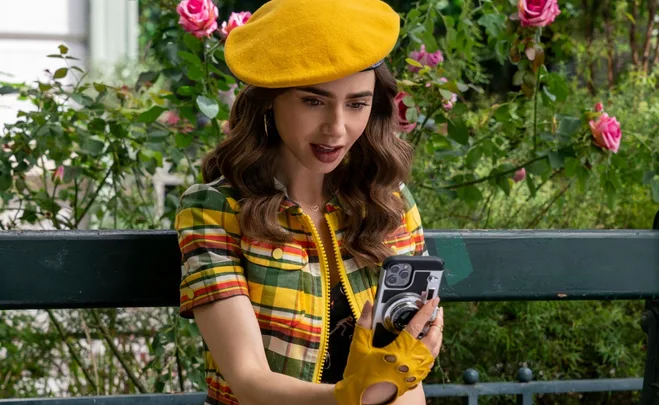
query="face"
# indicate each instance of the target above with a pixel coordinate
(319, 124)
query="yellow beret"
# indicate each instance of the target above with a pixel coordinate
(290, 43)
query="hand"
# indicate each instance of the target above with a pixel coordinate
(383, 392)
(394, 369)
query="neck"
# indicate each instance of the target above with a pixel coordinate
(302, 185)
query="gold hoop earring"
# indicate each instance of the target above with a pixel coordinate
(265, 124)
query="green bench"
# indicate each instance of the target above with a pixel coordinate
(103, 269)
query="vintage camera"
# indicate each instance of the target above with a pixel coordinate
(405, 283)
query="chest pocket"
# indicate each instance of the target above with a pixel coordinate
(401, 241)
(274, 278)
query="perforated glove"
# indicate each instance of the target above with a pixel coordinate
(405, 363)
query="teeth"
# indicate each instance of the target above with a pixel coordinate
(325, 148)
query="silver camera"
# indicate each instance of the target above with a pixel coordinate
(406, 283)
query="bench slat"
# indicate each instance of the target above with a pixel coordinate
(81, 269)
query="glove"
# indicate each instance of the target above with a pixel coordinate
(405, 363)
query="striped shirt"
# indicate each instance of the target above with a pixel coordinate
(288, 284)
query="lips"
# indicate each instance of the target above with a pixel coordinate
(326, 153)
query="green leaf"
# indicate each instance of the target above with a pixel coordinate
(151, 114)
(7, 90)
(569, 125)
(60, 73)
(648, 176)
(538, 168)
(462, 87)
(193, 43)
(5, 181)
(531, 185)
(493, 23)
(91, 146)
(458, 131)
(582, 177)
(504, 184)
(63, 49)
(190, 57)
(556, 159)
(412, 115)
(518, 78)
(571, 166)
(413, 62)
(547, 93)
(655, 190)
(409, 101)
(474, 157)
(185, 91)
(183, 140)
(446, 94)
(194, 73)
(470, 194)
(146, 77)
(208, 106)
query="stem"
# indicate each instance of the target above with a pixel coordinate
(85, 328)
(115, 351)
(493, 176)
(610, 56)
(74, 354)
(542, 213)
(93, 198)
(538, 39)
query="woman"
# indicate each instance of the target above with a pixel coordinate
(302, 201)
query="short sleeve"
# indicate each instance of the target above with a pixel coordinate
(412, 221)
(209, 239)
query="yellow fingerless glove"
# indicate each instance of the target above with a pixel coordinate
(405, 363)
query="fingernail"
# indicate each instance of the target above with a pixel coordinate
(435, 301)
(441, 312)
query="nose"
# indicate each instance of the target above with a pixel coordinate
(334, 123)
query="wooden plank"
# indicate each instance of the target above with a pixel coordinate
(80, 269)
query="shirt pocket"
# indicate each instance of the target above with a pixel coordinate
(275, 273)
(401, 242)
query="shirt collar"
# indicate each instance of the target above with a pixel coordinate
(332, 204)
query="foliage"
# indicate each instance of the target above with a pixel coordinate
(90, 155)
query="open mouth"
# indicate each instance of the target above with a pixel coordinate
(326, 153)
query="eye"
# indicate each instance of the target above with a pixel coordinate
(358, 105)
(312, 102)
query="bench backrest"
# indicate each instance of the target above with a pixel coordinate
(99, 269)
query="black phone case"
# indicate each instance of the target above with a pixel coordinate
(422, 268)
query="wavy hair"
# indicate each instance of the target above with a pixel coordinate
(377, 164)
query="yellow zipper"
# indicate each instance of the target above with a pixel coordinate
(324, 270)
(343, 274)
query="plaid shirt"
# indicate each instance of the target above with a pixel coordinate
(288, 284)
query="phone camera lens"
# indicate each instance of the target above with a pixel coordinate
(392, 280)
(394, 269)
(404, 274)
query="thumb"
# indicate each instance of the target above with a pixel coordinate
(366, 318)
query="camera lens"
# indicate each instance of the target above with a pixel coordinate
(404, 274)
(403, 317)
(391, 280)
(394, 269)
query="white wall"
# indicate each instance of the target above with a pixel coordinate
(32, 29)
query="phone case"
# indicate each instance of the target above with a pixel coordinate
(404, 280)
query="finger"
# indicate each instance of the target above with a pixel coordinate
(366, 317)
(433, 340)
(415, 326)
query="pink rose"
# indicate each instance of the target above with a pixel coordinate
(537, 13)
(607, 133)
(599, 107)
(171, 117)
(519, 175)
(235, 20)
(448, 104)
(425, 58)
(404, 124)
(58, 174)
(198, 17)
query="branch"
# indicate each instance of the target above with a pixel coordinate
(632, 33)
(538, 217)
(648, 36)
(93, 198)
(115, 351)
(610, 56)
(493, 176)
(74, 354)
(590, 34)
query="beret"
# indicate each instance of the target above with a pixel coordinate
(291, 43)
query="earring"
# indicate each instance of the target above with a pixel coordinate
(265, 123)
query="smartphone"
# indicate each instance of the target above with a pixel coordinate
(405, 282)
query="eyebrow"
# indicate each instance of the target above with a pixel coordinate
(328, 94)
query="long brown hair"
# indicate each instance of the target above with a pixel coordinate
(376, 166)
